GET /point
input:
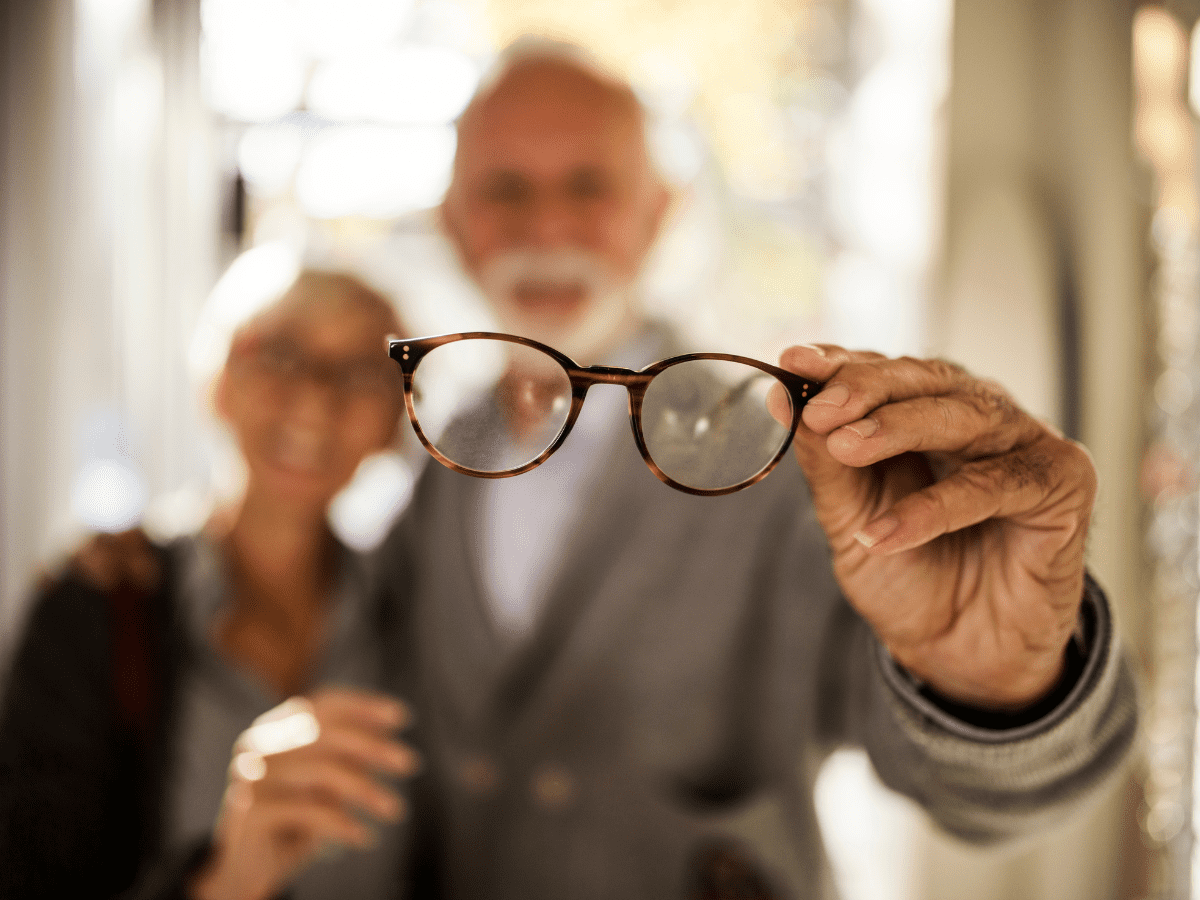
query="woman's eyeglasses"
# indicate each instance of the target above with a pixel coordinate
(495, 405)
(284, 364)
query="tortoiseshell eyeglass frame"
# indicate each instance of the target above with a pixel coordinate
(409, 352)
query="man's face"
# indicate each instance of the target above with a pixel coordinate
(554, 205)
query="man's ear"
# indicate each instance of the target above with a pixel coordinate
(449, 218)
(661, 201)
(445, 216)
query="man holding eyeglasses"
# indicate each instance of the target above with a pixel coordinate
(627, 690)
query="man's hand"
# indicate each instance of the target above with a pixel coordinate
(108, 561)
(284, 807)
(956, 520)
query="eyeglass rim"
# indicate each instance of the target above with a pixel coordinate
(408, 353)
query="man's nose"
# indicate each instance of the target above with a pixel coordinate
(552, 222)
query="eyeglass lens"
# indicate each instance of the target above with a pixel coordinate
(493, 406)
(490, 406)
(706, 424)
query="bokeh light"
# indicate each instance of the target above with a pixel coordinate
(399, 85)
(375, 171)
(268, 155)
(252, 282)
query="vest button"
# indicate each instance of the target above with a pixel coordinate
(479, 774)
(553, 787)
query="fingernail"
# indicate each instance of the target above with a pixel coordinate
(864, 428)
(388, 808)
(814, 348)
(403, 762)
(395, 714)
(834, 395)
(877, 531)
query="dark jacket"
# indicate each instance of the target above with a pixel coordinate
(84, 743)
(86, 739)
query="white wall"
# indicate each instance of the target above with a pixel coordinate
(107, 246)
(1045, 203)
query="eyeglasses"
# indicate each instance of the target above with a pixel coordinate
(285, 364)
(496, 405)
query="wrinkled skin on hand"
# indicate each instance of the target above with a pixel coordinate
(957, 521)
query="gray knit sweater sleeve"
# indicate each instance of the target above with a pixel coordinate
(986, 783)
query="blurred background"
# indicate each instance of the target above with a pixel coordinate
(1010, 185)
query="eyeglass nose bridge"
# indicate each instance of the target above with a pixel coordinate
(587, 376)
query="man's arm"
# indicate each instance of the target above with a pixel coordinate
(986, 776)
(978, 662)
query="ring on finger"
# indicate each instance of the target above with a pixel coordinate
(249, 765)
(289, 725)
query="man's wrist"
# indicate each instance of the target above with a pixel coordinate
(1074, 662)
(1078, 651)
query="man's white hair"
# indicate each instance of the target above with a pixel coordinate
(534, 48)
(545, 48)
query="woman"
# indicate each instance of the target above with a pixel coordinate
(124, 705)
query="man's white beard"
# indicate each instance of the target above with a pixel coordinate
(584, 334)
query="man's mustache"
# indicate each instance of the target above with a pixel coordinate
(575, 269)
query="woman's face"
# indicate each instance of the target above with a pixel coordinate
(309, 391)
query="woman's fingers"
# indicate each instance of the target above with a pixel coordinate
(323, 777)
(340, 767)
(107, 561)
(359, 708)
(311, 825)
(328, 751)
(371, 751)
(354, 721)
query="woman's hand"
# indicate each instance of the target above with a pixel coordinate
(300, 779)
